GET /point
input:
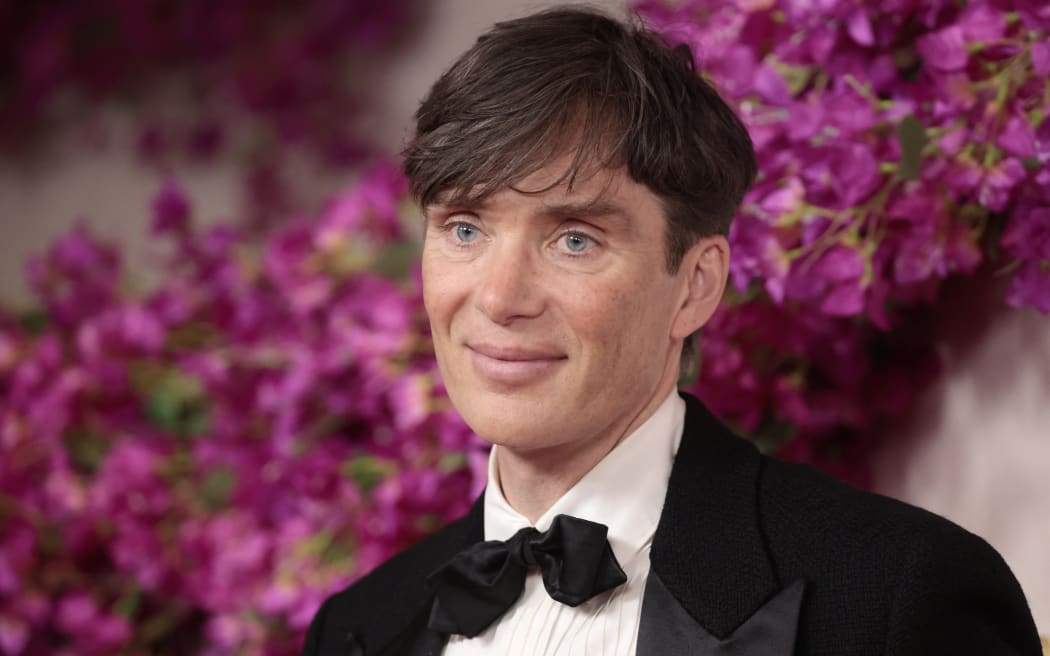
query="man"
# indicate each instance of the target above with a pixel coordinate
(578, 179)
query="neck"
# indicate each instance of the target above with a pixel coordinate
(533, 480)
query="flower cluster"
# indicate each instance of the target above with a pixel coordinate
(191, 72)
(195, 469)
(900, 143)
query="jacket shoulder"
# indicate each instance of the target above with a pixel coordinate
(372, 611)
(936, 583)
(798, 500)
(799, 493)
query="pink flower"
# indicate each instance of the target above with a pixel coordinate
(14, 633)
(1040, 54)
(171, 212)
(1027, 235)
(1017, 137)
(945, 49)
(999, 183)
(78, 615)
(757, 254)
(771, 87)
(833, 282)
(370, 209)
(842, 175)
(76, 278)
(1030, 287)
(858, 25)
(981, 23)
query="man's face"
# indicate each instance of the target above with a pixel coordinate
(553, 314)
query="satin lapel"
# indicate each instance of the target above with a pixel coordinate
(708, 552)
(667, 629)
(415, 639)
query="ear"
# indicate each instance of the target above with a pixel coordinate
(705, 269)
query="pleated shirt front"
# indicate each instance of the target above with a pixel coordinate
(625, 491)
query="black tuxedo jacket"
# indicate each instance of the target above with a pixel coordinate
(752, 557)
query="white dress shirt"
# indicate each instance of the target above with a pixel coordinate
(625, 491)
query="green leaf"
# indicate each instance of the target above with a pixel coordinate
(49, 540)
(912, 137)
(128, 604)
(796, 77)
(773, 434)
(338, 551)
(34, 322)
(315, 544)
(366, 472)
(86, 448)
(397, 259)
(428, 523)
(160, 624)
(176, 404)
(217, 488)
(450, 462)
(163, 408)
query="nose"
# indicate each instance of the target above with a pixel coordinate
(508, 286)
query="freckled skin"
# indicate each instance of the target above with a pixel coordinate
(593, 293)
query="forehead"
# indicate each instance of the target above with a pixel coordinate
(563, 187)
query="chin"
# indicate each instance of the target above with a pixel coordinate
(508, 420)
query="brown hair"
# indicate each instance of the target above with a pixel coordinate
(615, 91)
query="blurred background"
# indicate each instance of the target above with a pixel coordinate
(218, 403)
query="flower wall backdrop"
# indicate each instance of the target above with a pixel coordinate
(194, 468)
(261, 82)
(900, 143)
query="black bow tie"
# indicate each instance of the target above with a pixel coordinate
(480, 583)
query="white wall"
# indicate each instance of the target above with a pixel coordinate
(977, 446)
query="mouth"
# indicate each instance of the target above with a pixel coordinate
(513, 366)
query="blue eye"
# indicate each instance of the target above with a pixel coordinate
(576, 242)
(465, 232)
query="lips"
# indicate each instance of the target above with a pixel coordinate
(513, 365)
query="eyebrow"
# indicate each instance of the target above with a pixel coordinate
(587, 209)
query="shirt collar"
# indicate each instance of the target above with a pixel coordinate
(630, 511)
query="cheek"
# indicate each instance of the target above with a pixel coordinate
(625, 323)
(603, 318)
(432, 298)
(440, 313)
(439, 293)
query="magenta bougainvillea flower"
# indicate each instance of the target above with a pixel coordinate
(896, 141)
(194, 470)
(256, 83)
